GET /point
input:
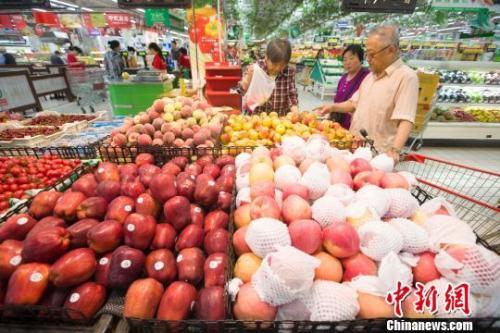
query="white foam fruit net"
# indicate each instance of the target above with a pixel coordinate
(358, 213)
(342, 192)
(402, 203)
(295, 310)
(284, 275)
(264, 234)
(318, 148)
(410, 178)
(392, 269)
(295, 147)
(473, 264)
(241, 159)
(415, 238)
(441, 286)
(375, 197)
(332, 301)
(488, 305)
(328, 210)
(378, 238)
(363, 152)
(287, 174)
(242, 181)
(316, 179)
(243, 196)
(444, 229)
(383, 162)
(430, 207)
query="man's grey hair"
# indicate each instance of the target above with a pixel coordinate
(388, 33)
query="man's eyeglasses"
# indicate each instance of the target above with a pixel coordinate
(373, 54)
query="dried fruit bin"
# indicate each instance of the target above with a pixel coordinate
(474, 193)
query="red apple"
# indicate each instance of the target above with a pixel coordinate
(139, 230)
(108, 189)
(191, 236)
(298, 189)
(161, 266)
(205, 192)
(197, 215)
(177, 211)
(394, 180)
(216, 241)
(43, 204)
(163, 187)
(164, 237)
(79, 230)
(107, 171)
(105, 236)
(215, 269)
(359, 165)
(86, 184)
(216, 219)
(177, 301)
(92, 208)
(146, 173)
(190, 265)
(120, 208)
(144, 158)
(145, 204)
(210, 304)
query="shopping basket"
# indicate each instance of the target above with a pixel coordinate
(87, 84)
(475, 193)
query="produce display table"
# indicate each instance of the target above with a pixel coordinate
(130, 98)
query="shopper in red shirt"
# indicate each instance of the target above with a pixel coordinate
(184, 62)
(284, 98)
(159, 62)
(72, 59)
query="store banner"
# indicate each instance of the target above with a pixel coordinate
(118, 20)
(155, 16)
(5, 22)
(70, 21)
(204, 43)
(46, 18)
(465, 5)
(86, 21)
(18, 21)
(98, 20)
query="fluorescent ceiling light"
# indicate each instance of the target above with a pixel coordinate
(39, 10)
(140, 10)
(64, 3)
(87, 9)
(115, 1)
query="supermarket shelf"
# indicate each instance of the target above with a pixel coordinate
(457, 65)
(482, 105)
(458, 130)
(471, 85)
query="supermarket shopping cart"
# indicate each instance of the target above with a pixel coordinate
(87, 84)
(474, 193)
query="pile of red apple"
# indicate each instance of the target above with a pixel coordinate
(58, 120)
(20, 174)
(355, 215)
(180, 122)
(158, 233)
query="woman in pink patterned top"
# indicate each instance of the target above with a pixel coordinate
(284, 97)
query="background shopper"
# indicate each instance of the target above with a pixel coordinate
(113, 61)
(159, 62)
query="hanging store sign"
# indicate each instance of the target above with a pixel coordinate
(154, 16)
(98, 20)
(46, 18)
(464, 5)
(70, 21)
(118, 20)
(379, 6)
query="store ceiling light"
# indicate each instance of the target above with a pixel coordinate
(87, 9)
(39, 10)
(140, 10)
(64, 3)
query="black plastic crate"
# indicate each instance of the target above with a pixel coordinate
(78, 152)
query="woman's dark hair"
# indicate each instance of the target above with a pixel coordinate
(355, 50)
(320, 52)
(131, 49)
(156, 48)
(113, 44)
(77, 50)
(279, 51)
(183, 51)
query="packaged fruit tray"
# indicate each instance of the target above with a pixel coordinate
(32, 141)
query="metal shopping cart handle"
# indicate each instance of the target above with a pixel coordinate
(369, 140)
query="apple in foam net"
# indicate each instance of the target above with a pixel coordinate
(264, 187)
(394, 180)
(425, 270)
(340, 176)
(358, 264)
(337, 162)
